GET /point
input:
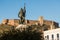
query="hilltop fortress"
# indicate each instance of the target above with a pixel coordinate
(41, 21)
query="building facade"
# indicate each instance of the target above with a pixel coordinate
(53, 34)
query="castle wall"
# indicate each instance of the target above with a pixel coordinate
(13, 22)
(41, 21)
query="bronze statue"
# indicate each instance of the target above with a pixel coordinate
(21, 15)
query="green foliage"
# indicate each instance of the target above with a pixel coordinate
(4, 26)
(9, 33)
(18, 35)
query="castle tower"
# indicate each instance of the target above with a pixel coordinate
(52, 25)
(41, 20)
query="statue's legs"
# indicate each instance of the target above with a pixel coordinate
(22, 20)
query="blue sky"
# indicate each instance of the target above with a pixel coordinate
(50, 9)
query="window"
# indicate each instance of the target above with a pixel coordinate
(47, 37)
(57, 36)
(52, 37)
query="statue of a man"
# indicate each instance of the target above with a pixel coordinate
(21, 15)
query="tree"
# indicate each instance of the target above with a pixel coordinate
(24, 35)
